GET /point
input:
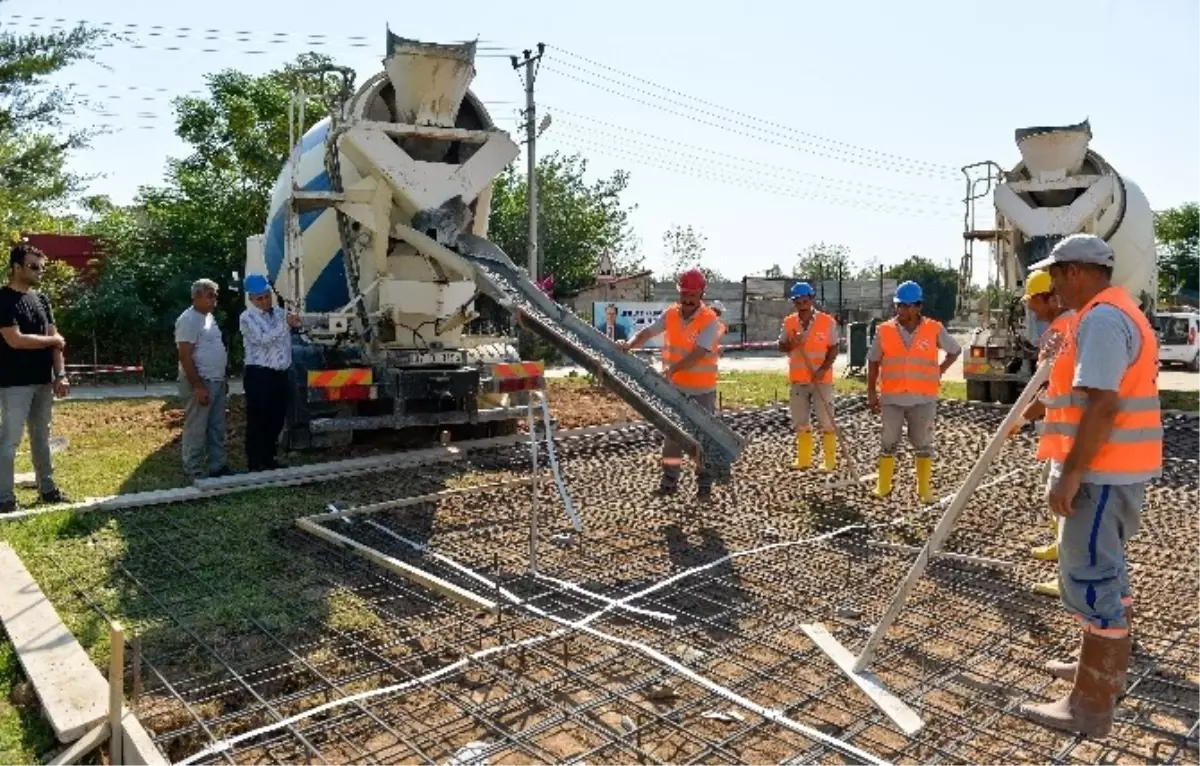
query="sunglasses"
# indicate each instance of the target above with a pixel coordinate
(35, 266)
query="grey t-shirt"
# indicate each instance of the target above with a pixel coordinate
(946, 342)
(1107, 342)
(208, 350)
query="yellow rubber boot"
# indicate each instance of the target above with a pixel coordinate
(1048, 588)
(804, 449)
(829, 452)
(883, 484)
(1048, 552)
(925, 479)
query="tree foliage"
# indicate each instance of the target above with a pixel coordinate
(1177, 231)
(685, 247)
(938, 283)
(34, 181)
(577, 220)
(822, 261)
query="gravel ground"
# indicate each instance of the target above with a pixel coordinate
(964, 654)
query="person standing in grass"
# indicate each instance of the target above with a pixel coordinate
(32, 373)
(267, 340)
(202, 383)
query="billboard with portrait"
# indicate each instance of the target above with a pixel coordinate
(621, 320)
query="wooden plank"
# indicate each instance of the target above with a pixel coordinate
(396, 566)
(892, 706)
(72, 691)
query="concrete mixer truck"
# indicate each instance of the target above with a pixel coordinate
(1060, 187)
(376, 237)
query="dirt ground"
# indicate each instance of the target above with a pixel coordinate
(232, 643)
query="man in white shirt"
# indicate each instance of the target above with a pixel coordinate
(267, 340)
(202, 384)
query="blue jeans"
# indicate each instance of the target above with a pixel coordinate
(203, 428)
(21, 407)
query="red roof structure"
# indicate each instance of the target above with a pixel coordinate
(76, 250)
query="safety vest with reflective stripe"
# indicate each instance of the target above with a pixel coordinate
(1059, 332)
(1133, 452)
(679, 340)
(814, 346)
(911, 370)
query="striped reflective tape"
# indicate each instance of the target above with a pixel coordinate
(355, 376)
(518, 370)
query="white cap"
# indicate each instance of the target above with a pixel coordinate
(1078, 248)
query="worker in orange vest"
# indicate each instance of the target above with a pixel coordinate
(903, 377)
(810, 339)
(691, 332)
(1041, 301)
(1103, 437)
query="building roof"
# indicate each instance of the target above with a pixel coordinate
(609, 281)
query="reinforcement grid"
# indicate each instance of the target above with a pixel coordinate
(230, 645)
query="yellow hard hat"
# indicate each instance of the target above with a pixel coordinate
(1038, 283)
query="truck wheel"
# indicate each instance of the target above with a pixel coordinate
(1194, 365)
(977, 390)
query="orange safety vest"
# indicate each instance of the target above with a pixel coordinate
(814, 346)
(909, 370)
(1061, 327)
(680, 338)
(1133, 452)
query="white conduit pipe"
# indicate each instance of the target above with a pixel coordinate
(226, 744)
(562, 488)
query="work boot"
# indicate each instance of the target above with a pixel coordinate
(804, 450)
(1047, 552)
(665, 490)
(829, 451)
(1088, 709)
(704, 493)
(54, 497)
(887, 468)
(1048, 588)
(1066, 670)
(925, 479)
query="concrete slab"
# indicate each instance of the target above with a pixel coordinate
(73, 694)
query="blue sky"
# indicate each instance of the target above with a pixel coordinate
(785, 123)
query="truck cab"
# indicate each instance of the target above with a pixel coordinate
(1178, 341)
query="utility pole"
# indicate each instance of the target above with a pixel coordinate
(531, 131)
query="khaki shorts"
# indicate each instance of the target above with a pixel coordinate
(802, 401)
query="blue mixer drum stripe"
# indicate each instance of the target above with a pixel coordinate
(328, 292)
(274, 244)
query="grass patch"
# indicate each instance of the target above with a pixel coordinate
(759, 389)
(1187, 401)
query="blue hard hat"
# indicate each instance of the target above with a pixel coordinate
(256, 284)
(801, 290)
(908, 292)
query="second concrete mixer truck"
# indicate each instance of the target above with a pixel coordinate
(1060, 187)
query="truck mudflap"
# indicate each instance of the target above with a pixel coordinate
(701, 433)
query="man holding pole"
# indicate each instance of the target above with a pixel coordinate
(810, 339)
(903, 381)
(1048, 311)
(1103, 437)
(692, 332)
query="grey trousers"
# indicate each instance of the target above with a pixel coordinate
(1093, 576)
(920, 420)
(203, 428)
(22, 406)
(672, 453)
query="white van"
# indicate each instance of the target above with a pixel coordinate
(1177, 338)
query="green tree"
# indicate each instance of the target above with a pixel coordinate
(684, 247)
(34, 181)
(938, 283)
(822, 261)
(1177, 231)
(577, 220)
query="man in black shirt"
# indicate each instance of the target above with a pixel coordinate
(32, 373)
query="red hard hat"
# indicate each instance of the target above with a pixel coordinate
(691, 280)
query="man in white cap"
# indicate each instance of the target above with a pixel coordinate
(267, 340)
(1103, 436)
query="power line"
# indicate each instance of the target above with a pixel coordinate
(722, 123)
(707, 154)
(677, 168)
(851, 148)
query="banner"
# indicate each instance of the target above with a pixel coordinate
(621, 320)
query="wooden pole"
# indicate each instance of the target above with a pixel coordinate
(116, 692)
